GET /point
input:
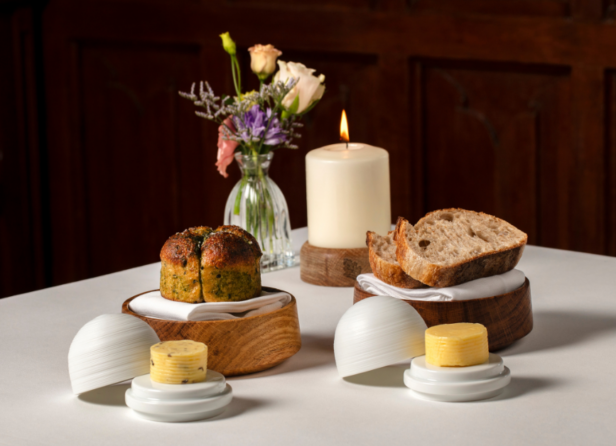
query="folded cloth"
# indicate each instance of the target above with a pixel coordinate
(156, 306)
(475, 289)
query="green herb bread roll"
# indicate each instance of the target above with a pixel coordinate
(180, 278)
(230, 265)
(205, 265)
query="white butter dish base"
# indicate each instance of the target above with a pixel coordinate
(457, 384)
(179, 402)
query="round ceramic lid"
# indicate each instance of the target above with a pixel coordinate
(377, 332)
(109, 349)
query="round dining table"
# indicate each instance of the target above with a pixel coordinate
(562, 392)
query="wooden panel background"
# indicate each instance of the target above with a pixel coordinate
(23, 247)
(496, 131)
(503, 106)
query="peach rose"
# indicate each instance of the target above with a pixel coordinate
(263, 60)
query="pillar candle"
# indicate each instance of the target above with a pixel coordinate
(348, 194)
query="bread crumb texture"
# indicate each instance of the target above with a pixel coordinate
(385, 247)
(448, 236)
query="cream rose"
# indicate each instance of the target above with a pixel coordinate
(263, 60)
(309, 88)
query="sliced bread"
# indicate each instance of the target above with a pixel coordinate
(385, 266)
(453, 246)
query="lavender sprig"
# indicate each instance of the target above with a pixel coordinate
(257, 116)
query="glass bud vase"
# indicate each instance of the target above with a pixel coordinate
(257, 205)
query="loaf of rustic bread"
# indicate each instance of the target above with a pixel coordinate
(230, 265)
(206, 265)
(453, 246)
(180, 256)
(385, 266)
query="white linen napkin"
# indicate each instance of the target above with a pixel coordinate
(475, 289)
(156, 306)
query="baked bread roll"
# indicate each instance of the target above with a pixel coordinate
(180, 262)
(205, 265)
(230, 265)
(453, 246)
(385, 266)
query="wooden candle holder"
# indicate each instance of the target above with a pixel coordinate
(508, 317)
(237, 346)
(332, 267)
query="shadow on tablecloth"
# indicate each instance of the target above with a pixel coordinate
(114, 396)
(107, 396)
(556, 329)
(392, 376)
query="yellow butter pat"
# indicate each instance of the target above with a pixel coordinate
(457, 345)
(178, 362)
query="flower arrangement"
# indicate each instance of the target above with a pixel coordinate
(259, 122)
(253, 124)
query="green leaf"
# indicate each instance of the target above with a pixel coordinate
(292, 109)
(294, 106)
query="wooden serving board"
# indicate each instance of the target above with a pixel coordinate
(332, 267)
(508, 317)
(237, 346)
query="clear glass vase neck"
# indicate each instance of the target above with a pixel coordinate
(253, 164)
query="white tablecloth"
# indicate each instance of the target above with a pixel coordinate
(563, 390)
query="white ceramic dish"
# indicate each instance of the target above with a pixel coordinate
(456, 384)
(144, 387)
(179, 402)
(377, 332)
(109, 349)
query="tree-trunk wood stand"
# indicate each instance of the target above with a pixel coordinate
(237, 346)
(332, 267)
(508, 317)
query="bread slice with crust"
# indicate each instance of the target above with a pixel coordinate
(382, 256)
(453, 246)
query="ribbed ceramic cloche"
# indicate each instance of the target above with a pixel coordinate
(377, 332)
(109, 349)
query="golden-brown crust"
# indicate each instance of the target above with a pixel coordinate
(226, 249)
(247, 236)
(388, 272)
(481, 265)
(230, 265)
(199, 232)
(180, 247)
(179, 273)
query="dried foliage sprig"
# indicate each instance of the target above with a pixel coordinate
(269, 97)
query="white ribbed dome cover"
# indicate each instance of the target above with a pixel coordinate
(377, 332)
(109, 349)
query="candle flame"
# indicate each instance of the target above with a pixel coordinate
(344, 128)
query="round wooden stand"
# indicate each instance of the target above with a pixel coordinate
(237, 346)
(332, 267)
(507, 317)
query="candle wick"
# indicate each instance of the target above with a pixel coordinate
(347, 145)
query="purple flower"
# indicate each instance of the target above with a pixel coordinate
(252, 127)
